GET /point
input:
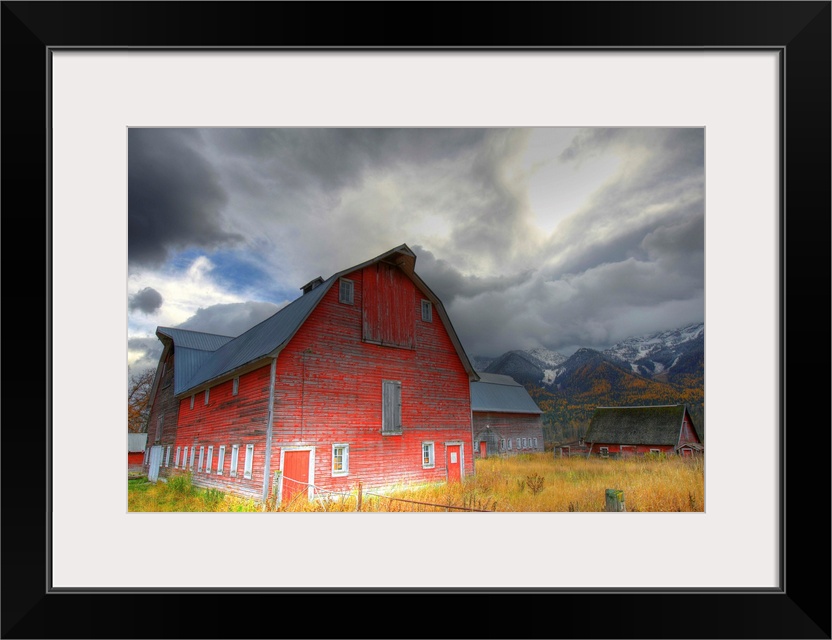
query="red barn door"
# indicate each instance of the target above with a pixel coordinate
(295, 474)
(483, 448)
(454, 458)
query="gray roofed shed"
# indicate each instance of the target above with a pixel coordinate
(659, 425)
(501, 394)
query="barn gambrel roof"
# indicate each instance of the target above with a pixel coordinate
(637, 425)
(501, 394)
(267, 339)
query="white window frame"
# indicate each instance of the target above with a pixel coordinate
(235, 386)
(655, 450)
(176, 460)
(167, 456)
(346, 291)
(604, 452)
(220, 459)
(396, 404)
(345, 459)
(209, 459)
(535, 443)
(185, 457)
(235, 459)
(207, 395)
(191, 459)
(201, 458)
(509, 444)
(518, 444)
(524, 443)
(248, 469)
(193, 395)
(146, 454)
(427, 311)
(431, 464)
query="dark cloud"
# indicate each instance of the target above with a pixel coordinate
(147, 301)
(175, 198)
(230, 319)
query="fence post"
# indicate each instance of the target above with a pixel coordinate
(615, 500)
(358, 500)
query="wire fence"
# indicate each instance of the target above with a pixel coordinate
(323, 495)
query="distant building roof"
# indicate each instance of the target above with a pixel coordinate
(637, 425)
(501, 394)
(202, 365)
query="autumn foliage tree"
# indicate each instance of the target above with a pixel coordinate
(138, 401)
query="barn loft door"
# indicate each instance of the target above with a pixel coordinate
(295, 475)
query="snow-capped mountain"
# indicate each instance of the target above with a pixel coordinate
(664, 356)
(661, 354)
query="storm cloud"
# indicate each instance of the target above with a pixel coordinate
(553, 237)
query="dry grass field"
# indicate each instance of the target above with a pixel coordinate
(522, 483)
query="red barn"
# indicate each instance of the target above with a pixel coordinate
(361, 378)
(506, 419)
(623, 431)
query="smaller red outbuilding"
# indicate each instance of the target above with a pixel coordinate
(623, 431)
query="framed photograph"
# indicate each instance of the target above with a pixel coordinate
(752, 77)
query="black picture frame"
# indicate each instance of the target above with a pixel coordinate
(799, 31)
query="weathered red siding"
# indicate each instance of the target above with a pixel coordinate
(164, 405)
(688, 433)
(641, 449)
(329, 390)
(387, 299)
(227, 420)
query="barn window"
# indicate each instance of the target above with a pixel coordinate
(209, 461)
(535, 443)
(605, 452)
(206, 397)
(159, 422)
(235, 455)
(502, 444)
(176, 459)
(509, 444)
(249, 461)
(340, 459)
(191, 460)
(427, 455)
(345, 291)
(220, 459)
(427, 311)
(235, 386)
(524, 443)
(201, 457)
(146, 454)
(391, 401)
(518, 443)
(655, 450)
(192, 400)
(167, 456)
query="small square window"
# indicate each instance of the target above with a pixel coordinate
(428, 455)
(345, 291)
(340, 459)
(235, 386)
(427, 311)
(605, 452)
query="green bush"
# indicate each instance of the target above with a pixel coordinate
(181, 483)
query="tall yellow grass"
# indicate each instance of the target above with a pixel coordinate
(521, 483)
